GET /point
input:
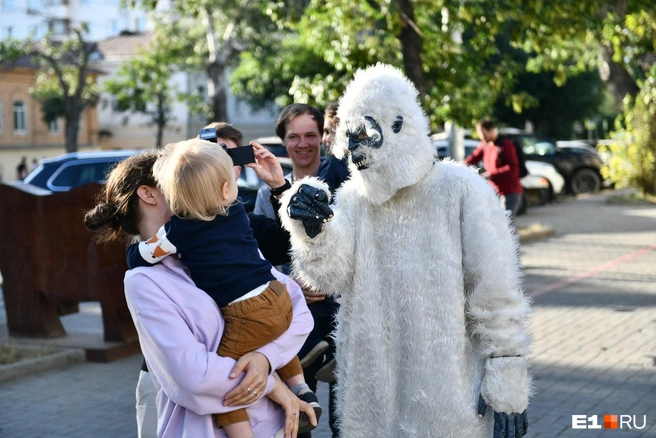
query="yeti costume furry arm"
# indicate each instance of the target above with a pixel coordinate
(497, 310)
(325, 262)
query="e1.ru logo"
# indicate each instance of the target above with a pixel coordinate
(610, 422)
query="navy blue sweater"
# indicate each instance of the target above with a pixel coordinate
(334, 172)
(221, 254)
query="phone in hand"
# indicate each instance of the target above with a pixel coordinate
(240, 155)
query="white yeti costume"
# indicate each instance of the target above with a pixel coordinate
(432, 309)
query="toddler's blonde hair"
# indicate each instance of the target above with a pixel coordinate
(191, 175)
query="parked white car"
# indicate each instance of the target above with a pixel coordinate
(555, 181)
(549, 172)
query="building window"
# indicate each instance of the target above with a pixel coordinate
(20, 117)
(1, 117)
(139, 24)
(8, 5)
(115, 27)
(58, 27)
(34, 5)
(53, 126)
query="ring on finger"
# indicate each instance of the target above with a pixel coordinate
(254, 393)
(250, 391)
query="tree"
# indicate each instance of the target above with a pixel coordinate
(616, 36)
(143, 83)
(556, 107)
(443, 46)
(226, 27)
(570, 36)
(64, 84)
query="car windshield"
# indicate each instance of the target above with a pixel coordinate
(535, 146)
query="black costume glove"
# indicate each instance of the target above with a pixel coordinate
(513, 425)
(310, 206)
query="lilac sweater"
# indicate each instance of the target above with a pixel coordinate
(179, 329)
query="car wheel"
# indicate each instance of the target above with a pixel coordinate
(585, 181)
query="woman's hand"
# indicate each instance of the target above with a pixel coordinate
(267, 167)
(312, 297)
(292, 406)
(257, 367)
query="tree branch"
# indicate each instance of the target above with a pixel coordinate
(412, 24)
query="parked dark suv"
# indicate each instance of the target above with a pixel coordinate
(62, 173)
(580, 167)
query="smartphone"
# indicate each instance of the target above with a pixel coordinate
(241, 155)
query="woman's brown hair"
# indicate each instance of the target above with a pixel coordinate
(115, 215)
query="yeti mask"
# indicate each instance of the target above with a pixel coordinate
(384, 131)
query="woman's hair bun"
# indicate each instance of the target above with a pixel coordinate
(101, 215)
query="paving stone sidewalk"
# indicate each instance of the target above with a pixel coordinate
(594, 321)
(594, 327)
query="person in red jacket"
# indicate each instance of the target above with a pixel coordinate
(500, 163)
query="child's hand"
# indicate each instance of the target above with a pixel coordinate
(256, 366)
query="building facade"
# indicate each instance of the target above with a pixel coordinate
(118, 31)
(23, 133)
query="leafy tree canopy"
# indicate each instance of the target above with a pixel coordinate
(463, 68)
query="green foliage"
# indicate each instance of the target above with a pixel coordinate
(143, 84)
(208, 36)
(633, 153)
(555, 108)
(317, 55)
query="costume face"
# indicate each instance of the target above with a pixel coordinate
(303, 141)
(385, 133)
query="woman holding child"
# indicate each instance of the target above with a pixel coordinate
(180, 326)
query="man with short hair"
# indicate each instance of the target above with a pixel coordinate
(299, 126)
(501, 164)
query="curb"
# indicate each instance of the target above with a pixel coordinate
(58, 360)
(535, 232)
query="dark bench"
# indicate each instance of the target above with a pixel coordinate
(50, 263)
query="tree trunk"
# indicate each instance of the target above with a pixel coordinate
(216, 87)
(72, 122)
(219, 55)
(411, 46)
(160, 120)
(617, 78)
